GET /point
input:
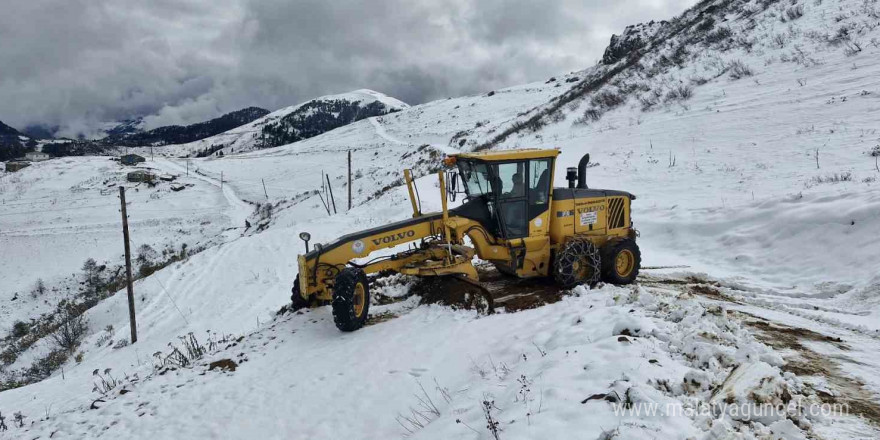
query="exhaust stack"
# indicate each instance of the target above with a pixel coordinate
(582, 171)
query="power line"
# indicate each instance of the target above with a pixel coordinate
(156, 277)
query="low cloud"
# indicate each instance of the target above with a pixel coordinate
(77, 63)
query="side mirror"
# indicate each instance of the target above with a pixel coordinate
(305, 236)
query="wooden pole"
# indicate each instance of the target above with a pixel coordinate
(131, 317)
(329, 187)
(221, 179)
(187, 167)
(264, 188)
(349, 180)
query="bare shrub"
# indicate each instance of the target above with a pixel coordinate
(649, 100)
(607, 99)
(104, 383)
(739, 70)
(679, 55)
(265, 211)
(71, 329)
(419, 416)
(746, 43)
(679, 93)
(189, 351)
(852, 48)
(39, 288)
(492, 424)
(20, 329)
(590, 115)
(841, 36)
(875, 152)
(793, 13)
(779, 40)
(92, 275)
(146, 259)
(721, 34)
(831, 178)
(706, 25)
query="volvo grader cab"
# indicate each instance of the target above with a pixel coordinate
(511, 217)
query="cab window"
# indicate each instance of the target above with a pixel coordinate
(539, 181)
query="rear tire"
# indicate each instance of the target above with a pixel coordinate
(621, 261)
(351, 299)
(577, 262)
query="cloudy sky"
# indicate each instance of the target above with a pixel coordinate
(76, 63)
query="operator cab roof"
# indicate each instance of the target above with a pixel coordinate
(506, 155)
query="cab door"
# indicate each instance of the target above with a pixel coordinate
(525, 203)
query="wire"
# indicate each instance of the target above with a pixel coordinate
(172, 299)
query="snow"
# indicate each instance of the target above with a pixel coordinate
(738, 228)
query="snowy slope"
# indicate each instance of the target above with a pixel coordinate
(772, 294)
(56, 214)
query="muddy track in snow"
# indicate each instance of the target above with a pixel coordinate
(806, 363)
(801, 360)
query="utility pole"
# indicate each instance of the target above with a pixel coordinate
(349, 180)
(131, 318)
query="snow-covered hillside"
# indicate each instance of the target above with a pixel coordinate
(745, 128)
(55, 215)
(292, 121)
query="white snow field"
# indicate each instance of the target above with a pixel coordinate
(760, 283)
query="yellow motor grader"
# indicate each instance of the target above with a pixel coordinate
(511, 217)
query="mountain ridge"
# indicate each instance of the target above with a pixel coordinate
(175, 134)
(297, 122)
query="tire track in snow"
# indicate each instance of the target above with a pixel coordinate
(380, 130)
(240, 209)
(185, 281)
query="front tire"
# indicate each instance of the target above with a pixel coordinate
(577, 262)
(621, 261)
(351, 299)
(297, 301)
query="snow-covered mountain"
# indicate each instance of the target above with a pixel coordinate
(126, 135)
(294, 123)
(745, 128)
(123, 128)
